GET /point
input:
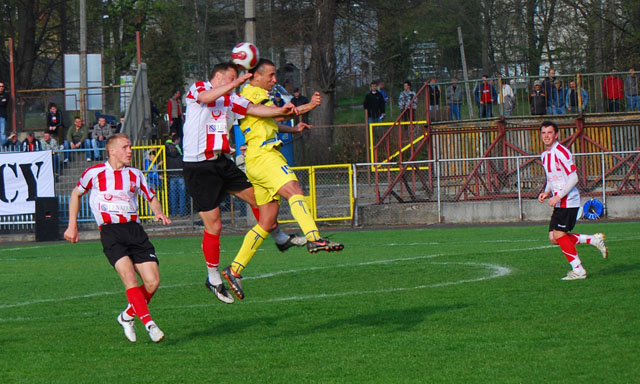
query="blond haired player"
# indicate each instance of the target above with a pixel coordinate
(564, 197)
(115, 187)
(271, 177)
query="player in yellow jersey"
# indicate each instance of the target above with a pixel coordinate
(267, 170)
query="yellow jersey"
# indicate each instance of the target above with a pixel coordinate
(260, 133)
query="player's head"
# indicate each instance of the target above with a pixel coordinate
(264, 74)
(224, 73)
(548, 133)
(118, 148)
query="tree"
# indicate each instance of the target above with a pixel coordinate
(323, 78)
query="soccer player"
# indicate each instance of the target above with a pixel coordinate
(114, 187)
(271, 177)
(565, 198)
(209, 174)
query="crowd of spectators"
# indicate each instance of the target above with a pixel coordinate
(549, 95)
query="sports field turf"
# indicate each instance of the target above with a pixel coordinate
(438, 305)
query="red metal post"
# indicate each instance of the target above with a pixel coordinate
(138, 47)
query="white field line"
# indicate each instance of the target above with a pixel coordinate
(292, 271)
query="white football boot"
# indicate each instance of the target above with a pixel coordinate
(155, 333)
(129, 328)
(598, 242)
(573, 275)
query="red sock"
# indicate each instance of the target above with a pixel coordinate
(147, 295)
(568, 245)
(256, 213)
(211, 249)
(139, 304)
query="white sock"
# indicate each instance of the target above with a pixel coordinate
(578, 268)
(149, 324)
(125, 316)
(584, 239)
(279, 236)
(214, 275)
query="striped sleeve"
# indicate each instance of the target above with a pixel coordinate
(86, 180)
(194, 90)
(239, 106)
(565, 159)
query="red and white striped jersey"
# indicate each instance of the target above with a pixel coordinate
(113, 197)
(558, 165)
(206, 129)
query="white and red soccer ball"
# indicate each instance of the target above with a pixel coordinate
(245, 55)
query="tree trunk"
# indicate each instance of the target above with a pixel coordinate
(26, 49)
(323, 80)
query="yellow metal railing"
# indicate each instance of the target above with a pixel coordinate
(140, 153)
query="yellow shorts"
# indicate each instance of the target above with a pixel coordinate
(268, 172)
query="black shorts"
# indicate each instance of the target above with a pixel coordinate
(208, 181)
(127, 239)
(563, 219)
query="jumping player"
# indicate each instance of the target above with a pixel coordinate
(209, 174)
(565, 198)
(271, 177)
(114, 187)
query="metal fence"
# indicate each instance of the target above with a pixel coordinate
(571, 94)
(507, 178)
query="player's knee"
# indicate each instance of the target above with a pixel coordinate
(269, 226)
(152, 284)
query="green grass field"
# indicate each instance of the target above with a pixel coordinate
(438, 305)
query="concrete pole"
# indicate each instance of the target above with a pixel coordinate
(250, 21)
(83, 62)
(465, 74)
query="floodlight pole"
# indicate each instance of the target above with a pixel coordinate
(250, 21)
(83, 63)
(465, 73)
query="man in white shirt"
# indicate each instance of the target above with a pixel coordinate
(115, 187)
(564, 196)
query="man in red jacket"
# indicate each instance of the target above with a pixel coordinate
(613, 90)
(174, 110)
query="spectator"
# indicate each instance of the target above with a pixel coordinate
(120, 124)
(174, 110)
(407, 99)
(454, 99)
(613, 89)
(55, 124)
(632, 91)
(434, 95)
(572, 100)
(508, 99)
(538, 99)
(101, 132)
(49, 143)
(77, 137)
(12, 144)
(383, 93)
(547, 87)
(374, 104)
(177, 190)
(31, 144)
(298, 99)
(558, 96)
(278, 100)
(485, 94)
(4, 101)
(150, 166)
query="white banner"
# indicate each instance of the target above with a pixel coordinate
(23, 177)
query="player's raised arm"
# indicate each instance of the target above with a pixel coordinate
(261, 110)
(71, 234)
(211, 95)
(316, 100)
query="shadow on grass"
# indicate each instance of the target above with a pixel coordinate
(398, 320)
(621, 268)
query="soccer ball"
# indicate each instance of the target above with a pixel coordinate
(245, 55)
